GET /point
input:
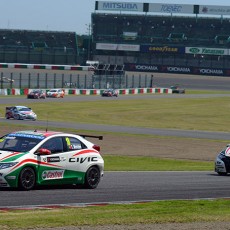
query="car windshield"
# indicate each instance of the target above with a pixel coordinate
(18, 143)
(53, 90)
(24, 109)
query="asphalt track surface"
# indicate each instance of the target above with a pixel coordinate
(123, 187)
(126, 187)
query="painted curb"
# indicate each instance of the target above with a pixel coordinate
(91, 91)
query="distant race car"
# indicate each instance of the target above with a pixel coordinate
(20, 113)
(30, 158)
(36, 94)
(222, 163)
(110, 93)
(55, 93)
(177, 89)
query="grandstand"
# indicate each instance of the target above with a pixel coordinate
(123, 36)
(178, 36)
(40, 47)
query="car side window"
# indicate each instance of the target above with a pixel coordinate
(55, 145)
(74, 144)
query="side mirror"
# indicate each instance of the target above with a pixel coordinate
(43, 152)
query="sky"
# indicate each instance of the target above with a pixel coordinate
(64, 15)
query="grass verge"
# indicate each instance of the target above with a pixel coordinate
(147, 213)
(173, 113)
(138, 163)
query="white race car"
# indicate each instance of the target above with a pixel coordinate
(56, 93)
(30, 158)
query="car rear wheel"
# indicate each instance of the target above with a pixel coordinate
(27, 179)
(92, 177)
(17, 117)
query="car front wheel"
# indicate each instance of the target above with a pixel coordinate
(27, 179)
(92, 177)
(222, 173)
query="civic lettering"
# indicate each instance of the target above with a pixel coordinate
(81, 160)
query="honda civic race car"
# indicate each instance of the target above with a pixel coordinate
(110, 93)
(30, 158)
(177, 89)
(37, 94)
(222, 163)
(55, 93)
(20, 113)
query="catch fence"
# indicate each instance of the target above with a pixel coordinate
(46, 80)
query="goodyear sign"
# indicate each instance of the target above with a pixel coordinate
(162, 49)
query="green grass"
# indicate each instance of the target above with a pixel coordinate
(138, 163)
(193, 91)
(148, 213)
(211, 114)
(193, 114)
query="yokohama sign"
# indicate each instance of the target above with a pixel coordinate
(176, 69)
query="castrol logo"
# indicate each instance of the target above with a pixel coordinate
(52, 174)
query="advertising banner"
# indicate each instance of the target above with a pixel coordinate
(176, 69)
(171, 8)
(209, 71)
(141, 68)
(121, 6)
(216, 10)
(206, 51)
(120, 47)
(106, 46)
(162, 49)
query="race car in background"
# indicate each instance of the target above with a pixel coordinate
(20, 113)
(55, 93)
(222, 162)
(36, 94)
(177, 89)
(30, 158)
(109, 93)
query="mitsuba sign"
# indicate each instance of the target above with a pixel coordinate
(120, 6)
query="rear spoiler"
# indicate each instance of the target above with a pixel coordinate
(9, 108)
(93, 136)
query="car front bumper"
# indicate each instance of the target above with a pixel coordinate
(220, 166)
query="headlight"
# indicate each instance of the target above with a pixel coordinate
(7, 165)
(222, 153)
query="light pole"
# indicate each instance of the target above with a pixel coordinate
(89, 40)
